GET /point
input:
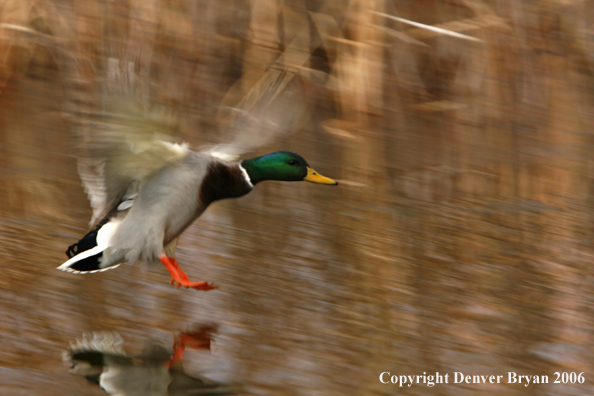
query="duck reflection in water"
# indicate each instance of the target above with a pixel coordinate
(158, 371)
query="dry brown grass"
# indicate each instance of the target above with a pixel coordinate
(462, 128)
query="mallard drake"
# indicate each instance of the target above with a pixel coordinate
(145, 191)
(158, 371)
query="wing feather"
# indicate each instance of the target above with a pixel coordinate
(122, 151)
(269, 110)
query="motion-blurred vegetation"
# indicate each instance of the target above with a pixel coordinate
(460, 238)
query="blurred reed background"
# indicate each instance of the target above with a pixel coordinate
(459, 239)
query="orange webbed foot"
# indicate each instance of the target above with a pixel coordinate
(200, 285)
(179, 277)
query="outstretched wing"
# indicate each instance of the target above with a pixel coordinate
(269, 110)
(120, 151)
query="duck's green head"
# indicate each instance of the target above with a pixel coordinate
(283, 166)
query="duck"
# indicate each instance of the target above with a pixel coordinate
(100, 358)
(146, 190)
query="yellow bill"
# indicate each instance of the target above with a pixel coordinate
(315, 177)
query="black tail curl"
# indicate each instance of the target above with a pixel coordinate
(87, 242)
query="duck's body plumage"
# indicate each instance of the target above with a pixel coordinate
(165, 204)
(170, 201)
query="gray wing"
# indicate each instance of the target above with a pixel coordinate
(269, 110)
(118, 153)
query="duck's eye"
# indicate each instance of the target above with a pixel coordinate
(292, 162)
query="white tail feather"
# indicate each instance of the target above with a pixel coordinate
(81, 256)
(103, 240)
(73, 271)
